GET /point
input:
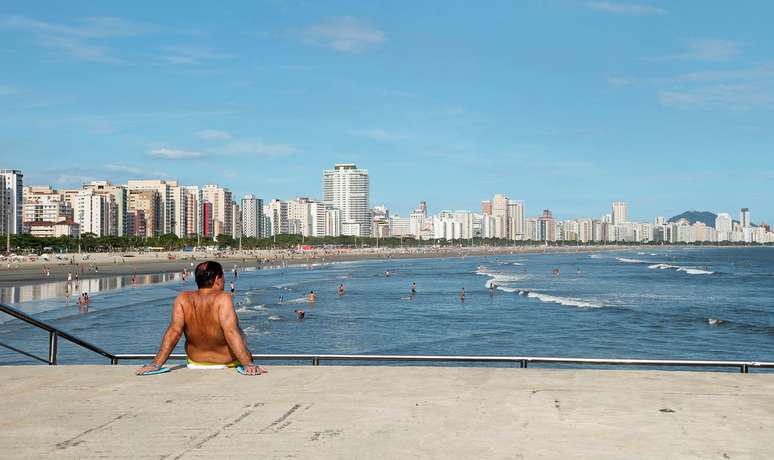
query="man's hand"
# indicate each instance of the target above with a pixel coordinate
(147, 368)
(253, 369)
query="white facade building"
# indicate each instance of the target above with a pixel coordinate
(346, 188)
(11, 201)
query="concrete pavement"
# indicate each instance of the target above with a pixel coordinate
(374, 412)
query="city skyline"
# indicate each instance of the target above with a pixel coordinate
(560, 103)
(153, 207)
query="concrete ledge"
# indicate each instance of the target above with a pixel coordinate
(384, 412)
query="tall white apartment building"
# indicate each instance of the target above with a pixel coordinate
(500, 214)
(222, 209)
(516, 220)
(277, 210)
(116, 198)
(91, 213)
(744, 218)
(346, 188)
(724, 226)
(400, 226)
(252, 216)
(620, 213)
(12, 201)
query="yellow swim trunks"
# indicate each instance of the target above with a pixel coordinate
(205, 365)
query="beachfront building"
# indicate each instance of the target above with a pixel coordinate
(277, 211)
(91, 213)
(11, 201)
(744, 218)
(44, 229)
(515, 220)
(221, 209)
(191, 196)
(724, 226)
(620, 213)
(116, 199)
(546, 229)
(252, 216)
(44, 204)
(400, 226)
(346, 188)
(143, 214)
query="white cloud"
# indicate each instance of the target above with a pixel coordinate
(632, 9)
(91, 27)
(707, 49)
(191, 54)
(724, 96)
(379, 134)
(80, 50)
(212, 135)
(175, 154)
(133, 170)
(255, 148)
(6, 90)
(344, 34)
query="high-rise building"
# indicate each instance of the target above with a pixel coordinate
(744, 218)
(500, 213)
(277, 210)
(546, 228)
(486, 208)
(222, 209)
(620, 213)
(172, 213)
(143, 215)
(252, 216)
(12, 201)
(347, 188)
(44, 204)
(516, 220)
(724, 226)
(91, 213)
(116, 197)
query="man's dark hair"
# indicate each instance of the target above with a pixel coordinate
(207, 272)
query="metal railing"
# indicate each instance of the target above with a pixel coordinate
(522, 361)
(53, 338)
(317, 359)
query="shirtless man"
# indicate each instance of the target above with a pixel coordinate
(210, 324)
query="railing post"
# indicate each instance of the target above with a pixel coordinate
(744, 368)
(113, 360)
(52, 339)
(316, 361)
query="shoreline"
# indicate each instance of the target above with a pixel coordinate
(99, 265)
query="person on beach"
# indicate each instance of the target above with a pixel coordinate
(209, 322)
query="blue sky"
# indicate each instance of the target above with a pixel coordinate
(567, 105)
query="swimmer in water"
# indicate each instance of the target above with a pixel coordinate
(233, 288)
(387, 273)
(491, 289)
(299, 314)
(280, 299)
(312, 296)
(341, 289)
(462, 295)
(413, 289)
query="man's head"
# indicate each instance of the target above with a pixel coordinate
(209, 274)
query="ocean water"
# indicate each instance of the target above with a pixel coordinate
(677, 303)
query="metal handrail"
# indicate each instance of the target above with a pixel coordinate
(316, 359)
(523, 361)
(53, 337)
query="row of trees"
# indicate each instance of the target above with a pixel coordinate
(89, 242)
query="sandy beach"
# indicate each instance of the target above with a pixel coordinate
(96, 265)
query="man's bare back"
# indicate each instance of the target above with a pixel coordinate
(210, 324)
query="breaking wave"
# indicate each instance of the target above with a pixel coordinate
(630, 261)
(498, 279)
(563, 300)
(687, 270)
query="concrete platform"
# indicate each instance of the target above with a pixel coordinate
(384, 413)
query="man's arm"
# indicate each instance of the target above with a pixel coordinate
(234, 336)
(171, 337)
